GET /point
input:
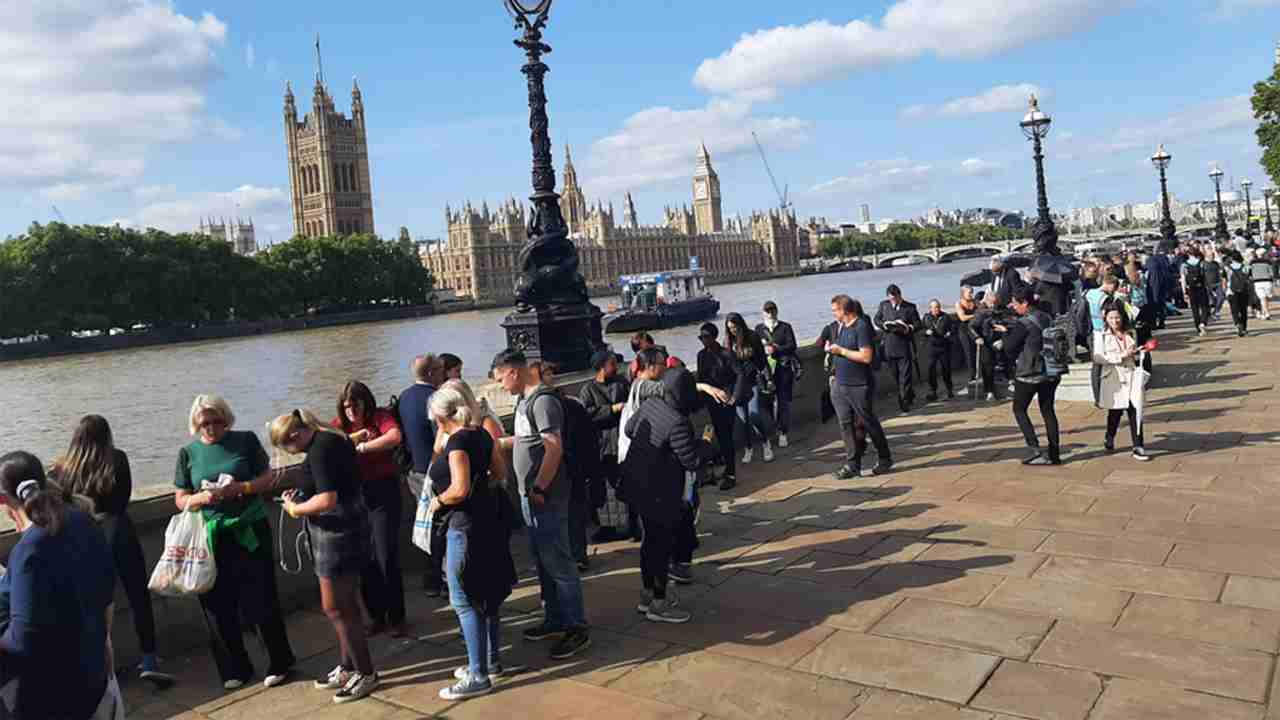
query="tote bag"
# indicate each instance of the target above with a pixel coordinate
(186, 567)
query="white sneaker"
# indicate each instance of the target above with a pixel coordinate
(768, 452)
(464, 672)
(275, 680)
(357, 687)
(336, 679)
(747, 456)
(782, 440)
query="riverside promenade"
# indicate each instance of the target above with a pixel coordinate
(963, 586)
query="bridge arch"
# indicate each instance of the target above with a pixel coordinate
(993, 249)
(888, 260)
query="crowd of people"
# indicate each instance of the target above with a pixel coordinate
(619, 460)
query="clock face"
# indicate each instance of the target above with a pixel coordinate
(700, 190)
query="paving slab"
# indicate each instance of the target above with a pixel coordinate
(1216, 623)
(1215, 669)
(725, 630)
(1039, 691)
(1128, 700)
(1192, 584)
(1076, 522)
(1077, 602)
(1013, 538)
(889, 705)
(936, 672)
(1126, 548)
(1159, 479)
(985, 630)
(1020, 564)
(1252, 592)
(1258, 562)
(949, 584)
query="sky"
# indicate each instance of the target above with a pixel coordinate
(155, 113)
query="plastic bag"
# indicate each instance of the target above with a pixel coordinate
(422, 520)
(187, 566)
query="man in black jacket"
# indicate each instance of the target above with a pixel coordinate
(939, 328)
(1023, 342)
(899, 320)
(663, 451)
(716, 369)
(604, 397)
(779, 340)
(1005, 281)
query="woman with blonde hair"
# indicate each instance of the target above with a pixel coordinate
(328, 498)
(223, 473)
(473, 513)
(93, 467)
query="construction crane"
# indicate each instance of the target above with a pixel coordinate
(61, 217)
(782, 194)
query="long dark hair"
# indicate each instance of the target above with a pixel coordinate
(43, 505)
(357, 392)
(743, 342)
(88, 466)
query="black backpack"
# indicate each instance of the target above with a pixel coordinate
(1239, 281)
(401, 454)
(1055, 347)
(1195, 276)
(581, 440)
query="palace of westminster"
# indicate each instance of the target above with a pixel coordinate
(331, 194)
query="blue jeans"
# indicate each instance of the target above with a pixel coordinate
(480, 633)
(557, 569)
(753, 423)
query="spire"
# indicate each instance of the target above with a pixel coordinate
(568, 156)
(355, 87)
(288, 92)
(319, 64)
(704, 160)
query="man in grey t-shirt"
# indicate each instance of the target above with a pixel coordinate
(537, 452)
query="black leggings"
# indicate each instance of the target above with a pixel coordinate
(940, 362)
(131, 566)
(1044, 392)
(655, 552)
(382, 583)
(723, 419)
(1199, 300)
(1239, 302)
(1113, 425)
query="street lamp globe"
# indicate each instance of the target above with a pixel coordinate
(524, 8)
(1246, 184)
(1161, 159)
(1216, 175)
(1035, 124)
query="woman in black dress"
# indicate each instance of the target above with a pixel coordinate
(328, 498)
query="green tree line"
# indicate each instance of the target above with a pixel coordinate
(57, 279)
(904, 236)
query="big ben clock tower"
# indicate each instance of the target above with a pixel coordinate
(706, 196)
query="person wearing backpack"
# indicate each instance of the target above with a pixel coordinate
(1024, 344)
(1195, 285)
(538, 453)
(1239, 290)
(410, 410)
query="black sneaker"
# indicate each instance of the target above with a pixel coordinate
(848, 472)
(882, 468)
(542, 632)
(584, 565)
(1109, 446)
(573, 642)
(728, 483)
(681, 573)
(931, 397)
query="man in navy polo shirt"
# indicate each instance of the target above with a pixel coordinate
(851, 345)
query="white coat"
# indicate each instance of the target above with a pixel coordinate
(1123, 379)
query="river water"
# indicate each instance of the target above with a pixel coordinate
(146, 393)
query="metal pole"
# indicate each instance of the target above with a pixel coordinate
(1220, 229)
(1167, 229)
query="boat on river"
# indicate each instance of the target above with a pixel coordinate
(654, 301)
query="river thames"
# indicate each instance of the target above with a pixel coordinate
(145, 394)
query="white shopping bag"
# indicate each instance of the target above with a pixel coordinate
(422, 519)
(186, 567)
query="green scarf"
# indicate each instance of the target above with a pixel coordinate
(240, 526)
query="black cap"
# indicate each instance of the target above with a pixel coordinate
(709, 330)
(600, 358)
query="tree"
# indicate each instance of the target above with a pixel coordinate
(1266, 110)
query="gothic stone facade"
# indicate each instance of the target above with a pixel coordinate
(479, 258)
(328, 166)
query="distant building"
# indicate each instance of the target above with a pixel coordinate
(481, 255)
(864, 213)
(328, 165)
(239, 235)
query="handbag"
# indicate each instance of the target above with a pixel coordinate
(422, 519)
(186, 566)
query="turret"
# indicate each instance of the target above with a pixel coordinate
(290, 108)
(357, 102)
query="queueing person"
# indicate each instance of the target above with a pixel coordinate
(663, 451)
(1213, 276)
(716, 369)
(223, 473)
(419, 437)
(470, 507)
(1239, 292)
(376, 435)
(329, 499)
(939, 328)
(748, 395)
(538, 456)
(984, 341)
(780, 347)
(1023, 342)
(899, 320)
(95, 468)
(604, 397)
(852, 348)
(1123, 381)
(1195, 287)
(966, 311)
(1262, 273)
(57, 603)
(649, 365)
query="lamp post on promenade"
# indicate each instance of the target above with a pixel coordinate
(1167, 229)
(1248, 209)
(1035, 125)
(1266, 203)
(553, 318)
(1052, 271)
(1220, 228)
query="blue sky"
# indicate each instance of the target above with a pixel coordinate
(155, 113)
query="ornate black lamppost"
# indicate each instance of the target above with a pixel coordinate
(1051, 269)
(1220, 228)
(1167, 229)
(553, 319)
(1248, 209)
(1266, 203)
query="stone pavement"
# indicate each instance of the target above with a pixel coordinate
(963, 586)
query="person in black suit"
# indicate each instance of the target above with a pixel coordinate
(940, 328)
(899, 320)
(1005, 282)
(779, 340)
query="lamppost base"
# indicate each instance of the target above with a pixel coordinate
(566, 335)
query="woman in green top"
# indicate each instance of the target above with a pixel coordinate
(222, 473)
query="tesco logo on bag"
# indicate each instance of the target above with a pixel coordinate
(178, 554)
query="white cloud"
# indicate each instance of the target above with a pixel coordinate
(267, 206)
(1204, 119)
(894, 175)
(98, 84)
(660, 144)
(980, 168)
(148, 193)
(1001, 98)
(64, 191)
(763, 62)
(250, 57)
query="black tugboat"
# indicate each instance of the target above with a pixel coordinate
(654, 301)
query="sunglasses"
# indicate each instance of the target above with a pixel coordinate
(212, 424)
